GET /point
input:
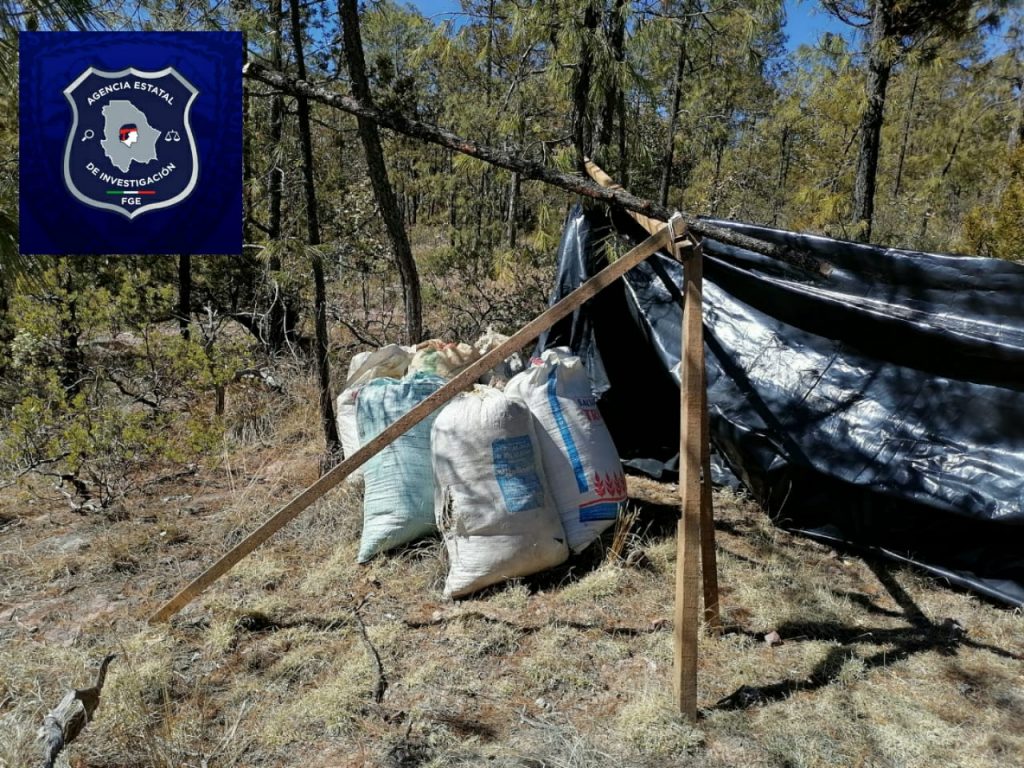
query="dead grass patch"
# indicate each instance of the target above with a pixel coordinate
(269, 668)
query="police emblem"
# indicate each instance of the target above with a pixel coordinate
(131, 148)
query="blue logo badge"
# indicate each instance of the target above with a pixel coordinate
(130, 148)
(130, 142)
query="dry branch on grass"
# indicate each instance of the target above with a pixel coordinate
(381, 686)
(64, 722)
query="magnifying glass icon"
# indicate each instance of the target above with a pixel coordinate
(88, 134)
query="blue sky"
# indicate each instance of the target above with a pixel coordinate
(805, 21)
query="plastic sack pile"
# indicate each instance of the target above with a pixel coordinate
(880, 405)
(514, 475)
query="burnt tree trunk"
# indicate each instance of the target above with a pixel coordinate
(72, 358)
(240, 6)
(379, 173)
(783, 175)
(323, 365)
(623, 168)
(879, 68)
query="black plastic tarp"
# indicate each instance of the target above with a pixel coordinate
(880, 405)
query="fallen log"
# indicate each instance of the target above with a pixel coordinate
(64, 722)
(527, 169)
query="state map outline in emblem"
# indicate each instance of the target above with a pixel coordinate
(141, 145)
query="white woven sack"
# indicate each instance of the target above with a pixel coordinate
(490, 499)
(348, 428)
(580, 460)
(500, 375)
(388, 361)
(442, 358)
(398, 501)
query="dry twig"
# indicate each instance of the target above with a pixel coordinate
(64, 722)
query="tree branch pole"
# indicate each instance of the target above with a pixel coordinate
(527, 169)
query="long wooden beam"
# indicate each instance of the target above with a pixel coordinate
(527, 169)
(691, 490)
(461, 382)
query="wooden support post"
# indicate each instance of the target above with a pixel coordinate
(463, 381)
(706, 526)
(691, 490)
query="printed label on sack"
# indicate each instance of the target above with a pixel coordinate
(611, 490)
(515, 469)
(588, 407)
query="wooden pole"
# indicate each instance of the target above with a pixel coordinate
(605, 181)
(463, 381)
(708, 559)
(691, 490)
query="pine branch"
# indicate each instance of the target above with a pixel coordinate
(527, 169)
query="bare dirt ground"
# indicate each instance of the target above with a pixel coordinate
(278, 663)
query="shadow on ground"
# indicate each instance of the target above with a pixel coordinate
(896, 644)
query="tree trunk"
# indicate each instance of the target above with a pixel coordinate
(906, 136)
(184, 294)
(879, 68)
(512, 229)
(323, 365)
(617, 40)
(623, 168)
(673, 116)
(379, 173)
(1017, 130)
(952, 152)
(6, 331)
(247, 202)
(580, 116)
(275, 189)
(305, 135)
(72, 359)
(716, 186)
(780, 183)
(489, 52)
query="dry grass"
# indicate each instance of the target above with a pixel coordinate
(570, 668)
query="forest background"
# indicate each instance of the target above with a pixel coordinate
(900, 124)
